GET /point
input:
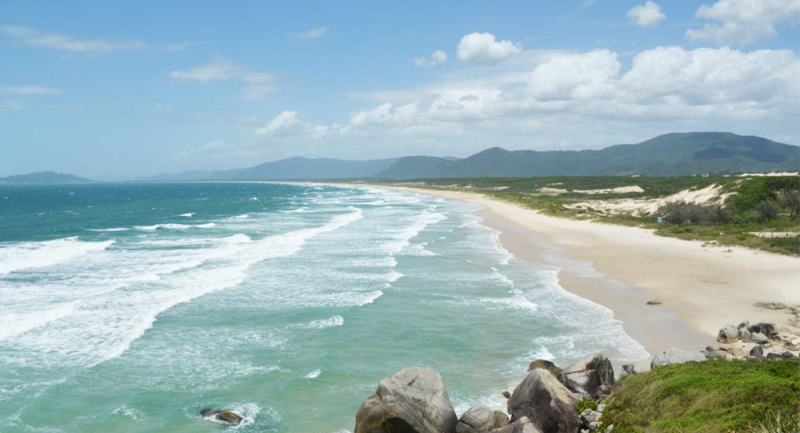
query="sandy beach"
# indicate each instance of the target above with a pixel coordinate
(702, 288)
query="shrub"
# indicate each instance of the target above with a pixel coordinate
(681, 212)
(790, 200)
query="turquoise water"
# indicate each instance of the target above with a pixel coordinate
(131, 307)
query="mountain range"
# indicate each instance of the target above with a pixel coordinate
(676, 154)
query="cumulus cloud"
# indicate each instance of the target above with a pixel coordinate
(646, 15)
(54, 41)
(743, 21)
(485, 48)
(29, 90)
(437, 58)
(665, 83)
(311, 34)
(257, 85)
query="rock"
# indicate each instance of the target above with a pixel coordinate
(610, 428)
(500, 419)
(506, 394)
(628, 369)
(225, 416)
(654, 302)
(593, 375)
(589, 416)
(744, 334)
(522, 425)
(795, 308)
(677, 356)
(744, 324)
(478, 419)
(712, 348)
(601, 407)
(757, 352)
(728, 334)
(545, 365)
(414, 400)
(594, 426)
(770, 305)
(776, 356)
(714, 355)
(767, 328)
(759, 338)
(544, 400)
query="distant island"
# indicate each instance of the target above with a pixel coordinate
(676, 154)
(42, 177)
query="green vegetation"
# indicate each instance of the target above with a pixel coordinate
(586, 404)
(713, 396)
(766, 205)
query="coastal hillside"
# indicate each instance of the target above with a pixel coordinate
(675, 154)
(43, 177)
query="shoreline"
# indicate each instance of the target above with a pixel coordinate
(622, 268)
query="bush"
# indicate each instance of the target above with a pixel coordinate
(790, 200)
(681, 212)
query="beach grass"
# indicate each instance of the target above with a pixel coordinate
(713, 396)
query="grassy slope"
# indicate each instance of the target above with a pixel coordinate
(713, 396)
(524, 192)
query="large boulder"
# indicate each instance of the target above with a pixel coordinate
(522, 425)
(677, 356)
(766, 328)
(225, 416)
(414, 400)
(546, 402)
(478, 419)
(728, 334)
(593, 375)
(501, 419)
(545, 365)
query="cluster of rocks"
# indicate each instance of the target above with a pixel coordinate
(760, 341)
(415, 400)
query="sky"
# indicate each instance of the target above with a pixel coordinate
(118, 90)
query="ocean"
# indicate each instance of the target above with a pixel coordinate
(132, 307)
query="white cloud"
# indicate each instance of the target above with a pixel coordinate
(29, 90)
(34, 38)
(646, 15)
(313, 33)
(258, 85)
(437, 58)
(281, 122)
(484, 48)
(178, 46)
(219, 69)
(743, 21)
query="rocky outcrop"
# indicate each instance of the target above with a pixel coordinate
(546, 402)
(414, 400)
(592, 376)
(501, 419)
(677, 356)
(545, 365)
(225, 416)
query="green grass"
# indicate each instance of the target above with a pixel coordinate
(709, 397)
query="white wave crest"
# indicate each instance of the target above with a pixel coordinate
(28, 255)
(314, 374)
(330, 322)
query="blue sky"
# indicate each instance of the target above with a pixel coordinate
(114, 90)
